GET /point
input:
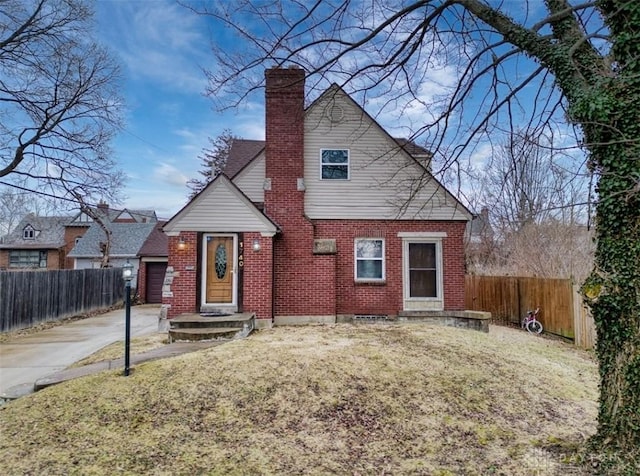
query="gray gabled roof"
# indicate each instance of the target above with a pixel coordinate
(48, 233)
(126, 240)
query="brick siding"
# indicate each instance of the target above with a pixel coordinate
(257, 276)
(184, 282)
(141, 290)
(387, 298)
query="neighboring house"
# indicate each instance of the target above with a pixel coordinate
(479, 229)
(126, 241)
(80, 223)
(480, 244)
(316, 225)
(35, 243)
(153, 255)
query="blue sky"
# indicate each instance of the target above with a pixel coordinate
(162, 48)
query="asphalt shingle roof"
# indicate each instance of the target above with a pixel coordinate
(48, 232)
(242, 152)
(157, 243)
(126, 240)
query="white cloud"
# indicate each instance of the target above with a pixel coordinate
(169, 174)
(250, 129)
(158, 41)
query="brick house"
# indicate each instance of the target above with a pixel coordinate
(315, 225)
(37, 242)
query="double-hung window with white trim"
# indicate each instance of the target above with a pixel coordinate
(334, 164)
(369, 259)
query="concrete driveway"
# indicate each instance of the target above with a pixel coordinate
(24, 359)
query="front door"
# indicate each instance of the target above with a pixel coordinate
(219, 277)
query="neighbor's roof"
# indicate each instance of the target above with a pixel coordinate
(140, 216)
(157, 243)
(48, 233)
(412, 148)
(126, 240)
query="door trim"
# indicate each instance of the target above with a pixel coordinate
(233, 306)
(422, 303)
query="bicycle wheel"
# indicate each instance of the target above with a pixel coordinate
(534, 327)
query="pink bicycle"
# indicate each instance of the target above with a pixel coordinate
(531, 323)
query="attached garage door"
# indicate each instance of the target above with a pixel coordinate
(155, 278)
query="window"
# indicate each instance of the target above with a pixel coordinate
(369, 259)
(27, 259)
(29, 233)
(334, 164)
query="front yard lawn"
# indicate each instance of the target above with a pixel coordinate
(339, 399)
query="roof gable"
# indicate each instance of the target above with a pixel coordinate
(220, 207)
(125, 215)
(385, 181)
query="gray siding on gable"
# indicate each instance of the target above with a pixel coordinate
(382, 176)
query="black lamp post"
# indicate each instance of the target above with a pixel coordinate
(127, 274)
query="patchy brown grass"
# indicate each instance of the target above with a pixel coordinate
(366, 399)
(138, 345)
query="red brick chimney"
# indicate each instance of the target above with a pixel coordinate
(284, 123)
(303, 283)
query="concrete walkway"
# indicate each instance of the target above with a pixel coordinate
(27, 358)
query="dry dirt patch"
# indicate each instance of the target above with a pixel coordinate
(340, 399)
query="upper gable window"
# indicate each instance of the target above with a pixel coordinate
(29, 233)
(334, 164)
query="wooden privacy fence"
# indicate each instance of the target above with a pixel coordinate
(30, 297)
(509, 298)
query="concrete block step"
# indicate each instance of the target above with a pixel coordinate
(197, 321)
(203, 333)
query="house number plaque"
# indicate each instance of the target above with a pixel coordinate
(241, 254)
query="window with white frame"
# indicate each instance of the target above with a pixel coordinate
(334, 164)
(29, 233)
(369, 259)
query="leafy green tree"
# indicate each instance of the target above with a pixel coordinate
(550, 64)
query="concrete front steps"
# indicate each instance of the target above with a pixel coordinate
(211, 327)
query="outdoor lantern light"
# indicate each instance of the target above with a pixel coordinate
(127, 274)
(181, 244)
(256, 245)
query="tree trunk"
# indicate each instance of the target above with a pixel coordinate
(613, 289)
(610, 115)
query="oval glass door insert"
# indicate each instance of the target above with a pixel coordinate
(221, 261)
